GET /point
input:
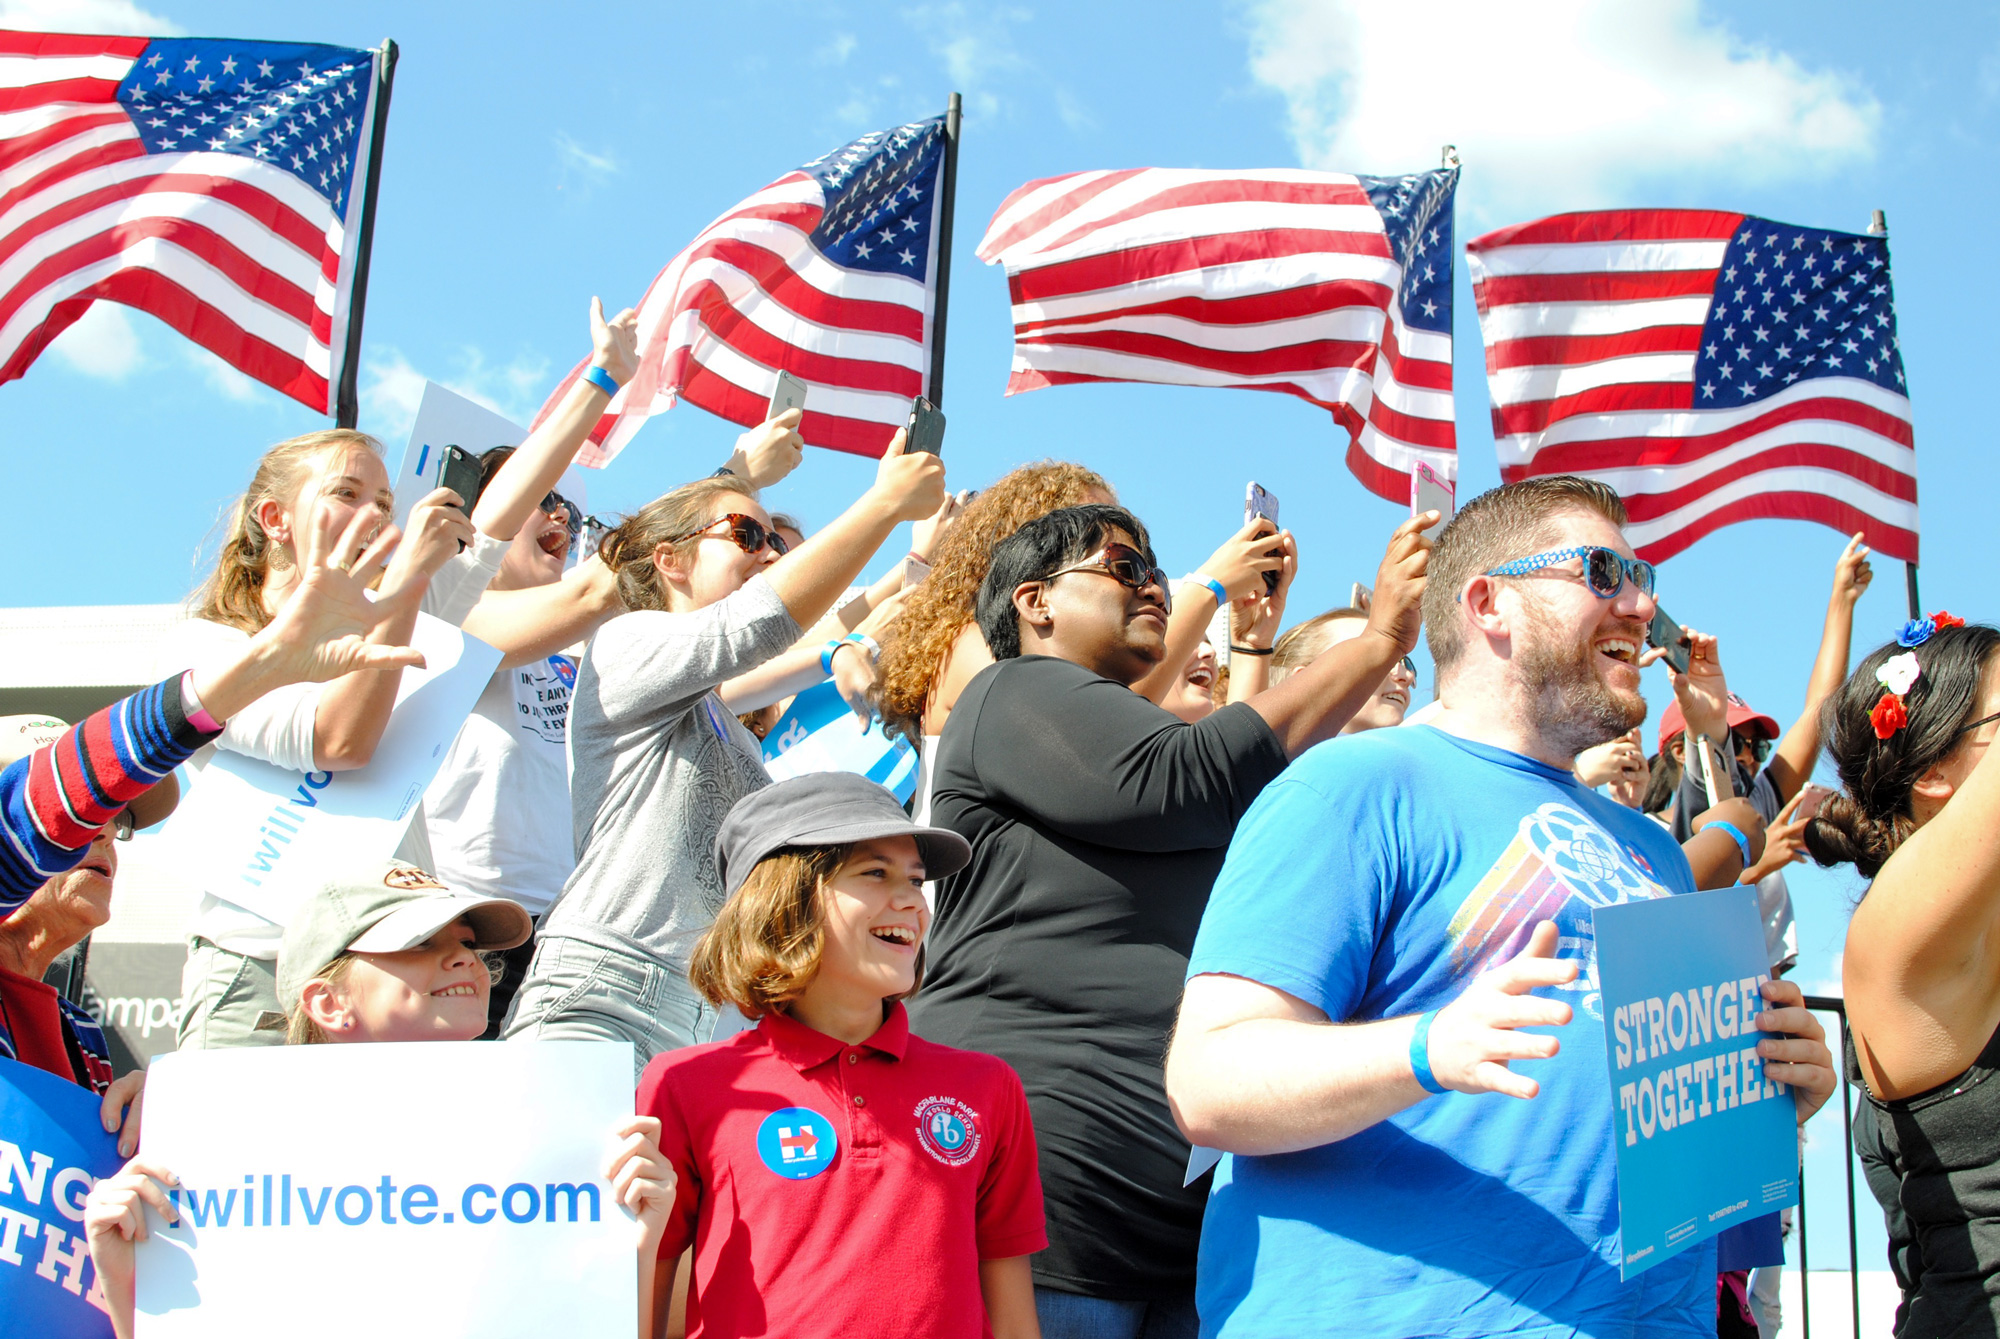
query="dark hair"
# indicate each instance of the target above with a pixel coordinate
(1663, 781)
(1039, 548)
(1499, 525)
(1866, 825)
(490, 462)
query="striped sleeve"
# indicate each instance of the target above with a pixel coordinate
(54, 802)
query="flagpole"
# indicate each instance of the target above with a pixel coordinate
(934, 385)
(347, 403)
(1878, 226)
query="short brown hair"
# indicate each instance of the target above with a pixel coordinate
(1505, 523)
(628, 550)
(764, 948)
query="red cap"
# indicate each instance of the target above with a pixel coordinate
(1740, 713)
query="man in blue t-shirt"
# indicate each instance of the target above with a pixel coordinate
(1432, 889)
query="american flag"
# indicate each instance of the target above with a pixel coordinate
(213, 183)
(1711, 367)
(826, 274)
(1333, 288)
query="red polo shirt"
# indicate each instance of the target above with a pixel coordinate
(835, 1189)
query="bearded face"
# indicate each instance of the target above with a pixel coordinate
(1579, 693)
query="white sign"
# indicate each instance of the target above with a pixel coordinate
(439, 1188)
(445, 418)
(261, 837)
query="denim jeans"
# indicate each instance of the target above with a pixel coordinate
(1074, 1316)
(224, 996)
(577, 991)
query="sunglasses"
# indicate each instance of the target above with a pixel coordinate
(749, 534)
(123, 825)
(1605, 571)
(1126, 566)
(572, 514)
(1409, 666)
(1760, 748)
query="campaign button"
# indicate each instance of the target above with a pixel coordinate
(797, 1143)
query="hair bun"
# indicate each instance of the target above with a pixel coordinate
(1842, 834)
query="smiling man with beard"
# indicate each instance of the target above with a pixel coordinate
(1097, 822)
(1431, 889)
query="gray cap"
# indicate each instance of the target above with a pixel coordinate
(825, 809)
(386, 908)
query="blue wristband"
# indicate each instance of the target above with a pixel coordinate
(1204, 579)
(1742, 842)
(1420, 1055)
(601, 379)
(826, 656)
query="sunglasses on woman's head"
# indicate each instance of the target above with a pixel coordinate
(1604, 570)
(747, 532)
(1126, 566)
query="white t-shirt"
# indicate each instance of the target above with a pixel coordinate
(499, 809)
(278, 729)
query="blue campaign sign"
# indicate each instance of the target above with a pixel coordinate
(52, 1149)
(1705, 1141)
(819, 733)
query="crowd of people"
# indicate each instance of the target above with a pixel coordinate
(1152, 893)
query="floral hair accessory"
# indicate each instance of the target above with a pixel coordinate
(1920, 630)
(1897, 673)
(1888, 716)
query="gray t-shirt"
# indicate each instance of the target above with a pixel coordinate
(656, 760)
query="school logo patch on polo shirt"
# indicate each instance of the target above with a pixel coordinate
(797, 1143)
(948, 1129)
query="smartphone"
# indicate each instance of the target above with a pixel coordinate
(1811, 796)
(790, 394)
(460, 471)
(1667, 636)
(1431, 491)
(926, 427)
(1360, 597)
(915, 569)
(1260, 501)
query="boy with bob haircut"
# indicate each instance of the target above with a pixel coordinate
(838, 1175)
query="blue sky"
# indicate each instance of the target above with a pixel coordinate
(534, 160)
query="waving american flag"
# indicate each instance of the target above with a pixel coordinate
(1333, 288)
(1711, 367)
(827, 273)
(211, 182)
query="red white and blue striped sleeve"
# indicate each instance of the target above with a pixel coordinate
(56, 800)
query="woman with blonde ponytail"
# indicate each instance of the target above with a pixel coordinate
(1912, 735)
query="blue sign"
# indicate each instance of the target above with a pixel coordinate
(1705, 1141)
(797, 1143)
(52, 1149)
(821, 733)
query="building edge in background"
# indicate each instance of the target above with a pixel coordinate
(347, 400)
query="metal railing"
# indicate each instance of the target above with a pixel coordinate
(1833, 1004)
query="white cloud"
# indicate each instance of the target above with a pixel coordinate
(836, 51)
(977, 49)
(392, 386)
(587, 167)
(85, 16)
(103, 343)
(221, 377)
(1555, 103)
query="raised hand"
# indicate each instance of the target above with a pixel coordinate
(1851, 573)
(910, 482)
(320, 632)
(1254, 618)
(927, 534)
(1703, 691)
(438, 530)
(771, 450)
(614, 344)
(1474, 1037)
(1395, 610)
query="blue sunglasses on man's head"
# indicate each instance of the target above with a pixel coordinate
(1604, 570)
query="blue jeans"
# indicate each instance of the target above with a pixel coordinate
(577, 991)
(1074, 1316)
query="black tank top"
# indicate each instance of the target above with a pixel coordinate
(1933, 1161)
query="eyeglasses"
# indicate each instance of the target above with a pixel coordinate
(750, 534)
(123, 825)
(1760, 748)
(1409, 666)
(1604, 570)
(572, 514)
(1126, 566)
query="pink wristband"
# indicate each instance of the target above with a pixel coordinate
(197, 714)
